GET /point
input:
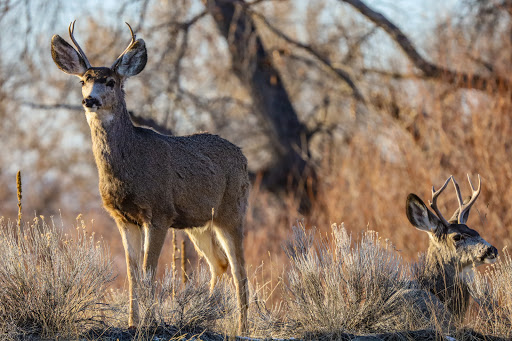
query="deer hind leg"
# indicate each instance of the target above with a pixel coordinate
(132, 241)
(205, 244)
(231, 240)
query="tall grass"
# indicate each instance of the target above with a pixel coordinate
(342, 286)
(51, 283)
(187, 306)
(54, 285)
(493, 290)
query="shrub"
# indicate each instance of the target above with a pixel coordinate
(341, 287)
(51, 283)
(493, 291)
(181, 308)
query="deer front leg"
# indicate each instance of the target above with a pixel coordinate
(154, 238)
(153, 241)
(132, 241)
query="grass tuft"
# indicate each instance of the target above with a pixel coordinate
(492, 289)
(341, 287)
(50, 283)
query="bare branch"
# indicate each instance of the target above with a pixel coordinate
(342, 74)
(136, 119)
(430, 70)
(181, 24)
(52, 106)
(389, 74)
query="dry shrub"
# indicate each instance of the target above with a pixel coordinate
(188, 307)
(51, 283)
(345, 287)
(492, 289)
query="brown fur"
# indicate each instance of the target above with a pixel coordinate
(151, 182)
(454, 251)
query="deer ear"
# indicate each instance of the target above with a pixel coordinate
(67, 58)
(132, 61)
(420, 216)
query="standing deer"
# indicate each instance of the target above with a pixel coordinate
(454, 250)
(150, 182)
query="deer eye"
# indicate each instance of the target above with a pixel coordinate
(458, 237)
(111, 83)
(82, 82)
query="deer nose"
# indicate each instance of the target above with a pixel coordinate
(492, 252)
(91, 102)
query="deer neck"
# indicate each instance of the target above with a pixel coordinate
(112, 132)
(445, 278)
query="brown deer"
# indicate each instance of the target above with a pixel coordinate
(453, 253)
(151, 182)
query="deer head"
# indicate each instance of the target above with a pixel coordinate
(102, 87)
(451, 239)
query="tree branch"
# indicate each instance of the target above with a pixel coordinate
(255, 70)
(342, 74)
(149, 122)
(52, 106)
(136, 119)
(430, 70)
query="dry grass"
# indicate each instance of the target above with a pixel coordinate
(492, 289)
(345, 286)
(185, 306)
(335, 287)
(51, 283)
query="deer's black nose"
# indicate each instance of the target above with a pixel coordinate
(90, 102)
(490, 253)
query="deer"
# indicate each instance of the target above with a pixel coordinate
(454, 251)
(151, 182)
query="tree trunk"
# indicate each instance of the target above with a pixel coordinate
(253, 67)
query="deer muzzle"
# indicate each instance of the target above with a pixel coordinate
(91, 102)
(490, 255)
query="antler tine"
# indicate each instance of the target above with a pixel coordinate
(71, 29)
(464, 208)
(433, 203)
(459, 196)
(126, 49)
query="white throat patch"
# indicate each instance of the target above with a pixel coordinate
(105, 117)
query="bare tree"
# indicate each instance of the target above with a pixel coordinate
(254, 68)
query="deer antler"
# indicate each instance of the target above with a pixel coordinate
(464, 208)
(82, 54)
(126, 49)
(433, 203)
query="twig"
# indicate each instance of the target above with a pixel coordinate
(342, 74)
(184, 277)
(18, 190)
(430, 70)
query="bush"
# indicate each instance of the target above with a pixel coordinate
(493, 291)
(172, 308)
(51, 283)
(340, 287)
